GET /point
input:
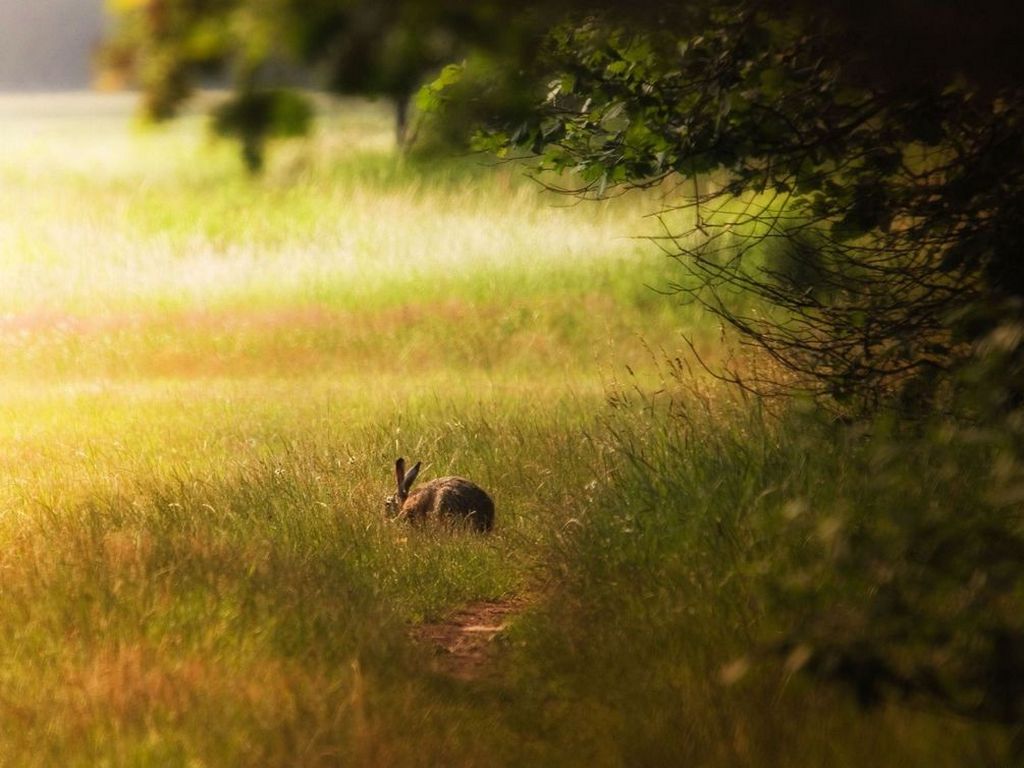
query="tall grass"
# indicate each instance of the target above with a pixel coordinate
(205, 380)
(713, 531)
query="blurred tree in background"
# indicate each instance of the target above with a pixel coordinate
(385, 49)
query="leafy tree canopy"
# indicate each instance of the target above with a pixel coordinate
(869, 193)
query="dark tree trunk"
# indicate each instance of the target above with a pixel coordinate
(252, 153)
(402, 102)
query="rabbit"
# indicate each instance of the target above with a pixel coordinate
(453, 498)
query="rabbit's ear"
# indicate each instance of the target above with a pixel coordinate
(410, 477)
(399, 474)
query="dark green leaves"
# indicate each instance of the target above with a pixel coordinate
(271, 113)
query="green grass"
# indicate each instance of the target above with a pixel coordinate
(720, 531)
(204, 380)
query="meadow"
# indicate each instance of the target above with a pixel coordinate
(204, 381)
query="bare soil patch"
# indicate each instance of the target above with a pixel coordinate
(464, 643)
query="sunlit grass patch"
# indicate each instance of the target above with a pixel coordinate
(173, 222)
(181, 553)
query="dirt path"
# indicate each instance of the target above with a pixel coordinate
(464, 642)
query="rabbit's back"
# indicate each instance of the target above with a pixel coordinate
(454, 498)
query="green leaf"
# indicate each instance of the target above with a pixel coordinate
(772, 80)
(616, 68)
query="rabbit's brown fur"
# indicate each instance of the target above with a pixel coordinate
(453, 499)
